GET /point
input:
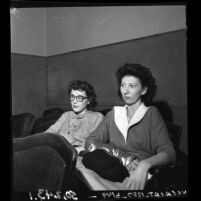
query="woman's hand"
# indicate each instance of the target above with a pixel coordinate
(138, 178)
(132, 166)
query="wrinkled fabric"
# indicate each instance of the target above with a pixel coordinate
(144, 139)
(125, 157)
(75, 128)
(106, 165)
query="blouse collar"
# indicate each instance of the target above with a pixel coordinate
(139, 114)
(120, 117)
(80, 115)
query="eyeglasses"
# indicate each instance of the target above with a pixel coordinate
(78, 98)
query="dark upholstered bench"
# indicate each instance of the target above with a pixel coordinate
(32, 158)
(22, 124)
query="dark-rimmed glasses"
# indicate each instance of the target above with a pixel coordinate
(78, 98)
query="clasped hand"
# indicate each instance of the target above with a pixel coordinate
(138, 178)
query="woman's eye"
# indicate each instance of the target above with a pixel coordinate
(122, 85)
(79, 97)
(132, 85)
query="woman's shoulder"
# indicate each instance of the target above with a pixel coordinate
(153, 112)
(67, 114)
(94, 114)
(152, 109)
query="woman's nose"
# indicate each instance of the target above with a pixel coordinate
(75, 100)
(126, 90)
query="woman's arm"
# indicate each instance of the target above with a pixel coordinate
(100, 136)
(162, 149)
(139, 176)
(160, 141)
(95, 121)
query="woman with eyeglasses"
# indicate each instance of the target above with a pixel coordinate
(77, 124)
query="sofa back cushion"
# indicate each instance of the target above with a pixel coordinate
(53, 111)
(43, 123)
(22, 124)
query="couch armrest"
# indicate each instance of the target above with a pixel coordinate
(38, 167)
(66, 151)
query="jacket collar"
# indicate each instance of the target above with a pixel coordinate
(139, 114)
(120, 117)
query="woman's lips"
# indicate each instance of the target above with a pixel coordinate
(75, 106)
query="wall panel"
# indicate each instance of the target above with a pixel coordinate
(28, 77)
(165, 54)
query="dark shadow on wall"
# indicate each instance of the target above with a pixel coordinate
(164, 110)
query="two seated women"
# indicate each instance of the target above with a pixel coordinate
(135, 129)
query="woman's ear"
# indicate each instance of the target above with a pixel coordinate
(144, 91)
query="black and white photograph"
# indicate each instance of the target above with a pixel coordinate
(98, 101)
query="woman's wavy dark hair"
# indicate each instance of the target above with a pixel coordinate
(84, 86)
(144, 75)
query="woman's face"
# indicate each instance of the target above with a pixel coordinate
(79, 100)
(131, 89)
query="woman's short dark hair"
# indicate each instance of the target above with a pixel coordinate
(143, 74)
(88, 88)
